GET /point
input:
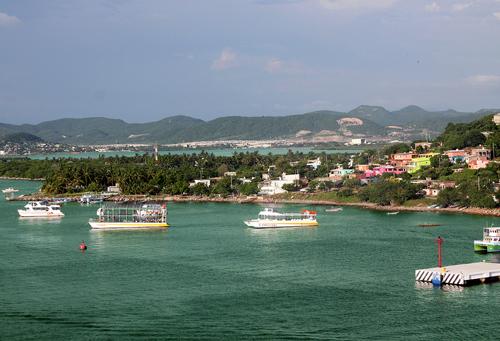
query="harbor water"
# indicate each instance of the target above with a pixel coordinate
(215, 152)
(209, 277)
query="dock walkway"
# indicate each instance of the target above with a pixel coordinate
(462, 274)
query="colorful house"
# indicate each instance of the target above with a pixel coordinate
(339, 173)
(363, 168)
(478, 163)
(383, 169)
(481, 153)
(401, 159)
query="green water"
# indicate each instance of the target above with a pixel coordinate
(216, 152)
(209, 277)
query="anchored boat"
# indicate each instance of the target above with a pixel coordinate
(130, 217)
(271, 218)
(334, 209)
(490, 242)
(41, 209)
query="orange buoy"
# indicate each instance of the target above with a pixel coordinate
(83, 246)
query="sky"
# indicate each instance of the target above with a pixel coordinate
(145, 60)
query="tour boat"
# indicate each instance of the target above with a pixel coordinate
(490, 242)
(41, 209)
(130, 217)
(334, 209)
(270, 218)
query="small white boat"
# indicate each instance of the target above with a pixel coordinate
(10, 190)
(334, 209)
(390, 213)
(91, 198)
(130, 217)
(41, 209)
(271, 218)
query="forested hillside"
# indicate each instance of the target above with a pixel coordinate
(411, 120)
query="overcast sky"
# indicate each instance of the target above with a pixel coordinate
(142, 61)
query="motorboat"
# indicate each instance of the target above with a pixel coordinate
(272, 218)
(41, 209)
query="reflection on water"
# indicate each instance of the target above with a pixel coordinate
(210, 277)
(42, 220)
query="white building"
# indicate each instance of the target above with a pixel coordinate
(275, 186)
(358, 141)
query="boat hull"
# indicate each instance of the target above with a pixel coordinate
(127, 225)
(49, 214)
(480, 246)
(278, 224)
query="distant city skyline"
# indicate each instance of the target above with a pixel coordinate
(144, 61)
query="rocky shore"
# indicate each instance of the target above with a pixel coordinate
(271, 200)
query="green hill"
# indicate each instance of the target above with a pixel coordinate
(20, 138)
(268, 127)
(176, 129)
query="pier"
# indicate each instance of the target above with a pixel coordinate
(462, 274)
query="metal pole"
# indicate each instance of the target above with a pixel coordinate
(439, 241)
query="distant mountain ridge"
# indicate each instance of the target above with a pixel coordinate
(365, 121)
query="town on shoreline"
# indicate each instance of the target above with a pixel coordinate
(271, 200)
(456, 172)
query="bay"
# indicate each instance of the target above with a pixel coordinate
(216, 152)
(209, 277)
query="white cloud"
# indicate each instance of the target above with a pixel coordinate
(460, 7)
(8, 21)
(497, 15)
(482, 79)
(273, 66)
(226, 60)
(289, 67)
(432, 7)
(355, 4)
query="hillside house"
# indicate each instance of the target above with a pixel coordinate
(339, 173)
(314, 163)
(478, 163)
(275, 186)
(384, 169)
(363, 168)
(206, 182)
(401, 159)
(481, 153)
(455, 155)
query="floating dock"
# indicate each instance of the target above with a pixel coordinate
(462, 274)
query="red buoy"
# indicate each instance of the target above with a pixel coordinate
(83, 246)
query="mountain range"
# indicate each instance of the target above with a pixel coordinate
(411, 122)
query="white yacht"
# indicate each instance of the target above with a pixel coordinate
(271, 218)
(41, 209)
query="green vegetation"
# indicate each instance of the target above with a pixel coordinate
(20, 138)
(241, 173)
(178, 129)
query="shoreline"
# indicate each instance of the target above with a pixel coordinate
(495, 212)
